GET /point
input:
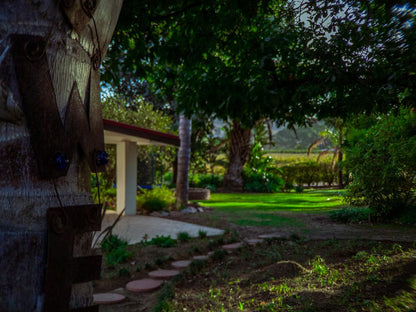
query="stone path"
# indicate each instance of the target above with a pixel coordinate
(157, 277)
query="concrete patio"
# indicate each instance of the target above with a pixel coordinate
(136, 228)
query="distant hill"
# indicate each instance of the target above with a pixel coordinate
(288, 139)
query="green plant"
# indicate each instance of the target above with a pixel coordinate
(115, 250)
(382, 165)
(202, 234)
(166, 294)
(260, 174)
(183, 236)
(299, 189)
(124, 272)
(160, 241)
(156, 199)
(350, 215)
(218, 254)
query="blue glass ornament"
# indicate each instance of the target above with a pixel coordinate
(101, 158)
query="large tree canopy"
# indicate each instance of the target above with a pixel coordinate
(284, 60)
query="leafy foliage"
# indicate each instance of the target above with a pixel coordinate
(350, 215)
(220, 57)
(161, 241)
(115, 250)
(260, 174)
(210, 181)
(309, 173)
(156, 199)
(381, 161)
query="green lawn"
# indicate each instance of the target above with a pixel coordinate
(263, 209)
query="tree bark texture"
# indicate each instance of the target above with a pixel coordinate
(74, 36)
(184, 157)
(238, 154)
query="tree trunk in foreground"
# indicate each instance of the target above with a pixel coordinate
(184, 157)
(238, 154)
(50, 52)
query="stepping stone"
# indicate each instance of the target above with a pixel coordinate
(143, 285)
(181, 264)
(274, 235)
(254, 241)
(163, 274)
(232, 247)
(202, 258)
(108, 298)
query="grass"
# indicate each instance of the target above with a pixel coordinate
(266, 209)
(314, 201)
(327, 275)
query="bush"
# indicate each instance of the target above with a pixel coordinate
(115, 250)
(157, 199)
(350, 215)
(208, 181)
(381, 161)
(309, 173)
(161, 241)
(260, 174)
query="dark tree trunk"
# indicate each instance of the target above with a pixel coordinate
(49, 57)
(238, 154)
(340, 158)
(184, 157)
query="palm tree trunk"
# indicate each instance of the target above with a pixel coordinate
(238, 154)
(184, 157)
(56, 37)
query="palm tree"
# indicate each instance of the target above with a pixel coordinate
(335, 132)
(50, 52)
(184, 157)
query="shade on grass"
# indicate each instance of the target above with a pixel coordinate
(263, 209)
(307, 201)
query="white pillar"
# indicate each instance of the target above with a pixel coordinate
(126, 177)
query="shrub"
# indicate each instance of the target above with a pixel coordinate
(382, 164)
(161, 241)
(260, 174)
(115, 250)
(184, 236)
(350, 215)
(308, 173)
(209, 181)
(156, 199)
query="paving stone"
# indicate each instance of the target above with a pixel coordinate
(143, 285)
(163, 274)
(254, 241)
(273, 235)
(232, 247)
(108, 298)
(181, 264)
(203, 257)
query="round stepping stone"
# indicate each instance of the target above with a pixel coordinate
(254, 241)
(108, 298)
(232, 247)
(181, 264)
(163, 274)
(143, 285)
(275, 235)
(202, 258)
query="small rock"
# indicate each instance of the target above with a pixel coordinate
(200, 209)
(189, 210)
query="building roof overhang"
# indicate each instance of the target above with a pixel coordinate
(115, 132)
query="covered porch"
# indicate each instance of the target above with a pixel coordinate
(127, 137)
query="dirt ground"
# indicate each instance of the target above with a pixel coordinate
(318, 227)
